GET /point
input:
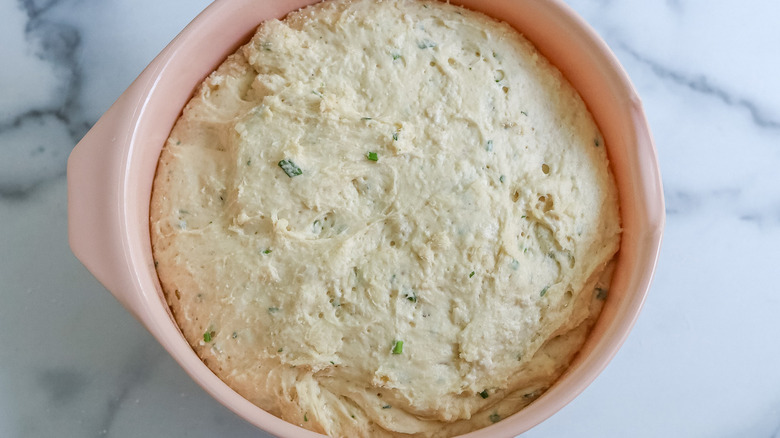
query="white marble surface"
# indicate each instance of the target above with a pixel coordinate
(703, 360)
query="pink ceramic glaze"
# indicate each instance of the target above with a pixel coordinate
(110, 176)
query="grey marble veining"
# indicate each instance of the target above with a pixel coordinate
(57, 124)
(701, 84)
(701, 362)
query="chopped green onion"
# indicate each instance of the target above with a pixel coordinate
(372, 156)
(426, 44)
(472, 274)
(280, 350)
(596, 142)
(386, 407)
(544, 291)
(290, 168)
(484, 394)
(317, 93)
(501, 178)
(411, 296)
(601, 294)
(235, 335)
(494, 417)
(305, 417)
(515, 264)
(208, 336)
(524, 113)
(273, 309)
(398, 347)
(267, 251)
(395, 55)
(395, 136)
(365, 118)
(489, 146)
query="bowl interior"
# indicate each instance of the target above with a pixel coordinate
(558, 33)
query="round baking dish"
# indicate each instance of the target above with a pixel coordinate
(110, 175)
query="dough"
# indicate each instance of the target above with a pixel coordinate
(385, 217)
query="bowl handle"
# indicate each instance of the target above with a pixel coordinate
(95, 200)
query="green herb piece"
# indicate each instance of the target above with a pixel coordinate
(501, 179)
(386, 407)
(398, 347)
(332, 363)
(267, 251)
(178, 142)
(266, 46)
(395, 55)
(494, 417)
(209, 335)
(411, 296)
(523, 217)
(273, 309)
(426, 44)
(305, 417)
(601, 294)
(524, 113)
(489, 146)
(234, 335)
(280, 350)
(249, 162)
(544, 291)
(317, 93)
(372, 156)
(596, 142)
(352, 416)
(365, 118)
(472, 274)
(514, 265)
(290, 168)
(484, 394)
(395, 136)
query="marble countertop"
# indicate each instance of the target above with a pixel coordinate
(702, 361)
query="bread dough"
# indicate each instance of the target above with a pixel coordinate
(385, 217)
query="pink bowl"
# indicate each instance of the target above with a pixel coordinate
(110, 176)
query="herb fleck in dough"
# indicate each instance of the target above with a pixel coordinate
(385, 217)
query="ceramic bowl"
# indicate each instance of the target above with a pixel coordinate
(110, 176)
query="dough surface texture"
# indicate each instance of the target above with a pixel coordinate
(381, 218)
